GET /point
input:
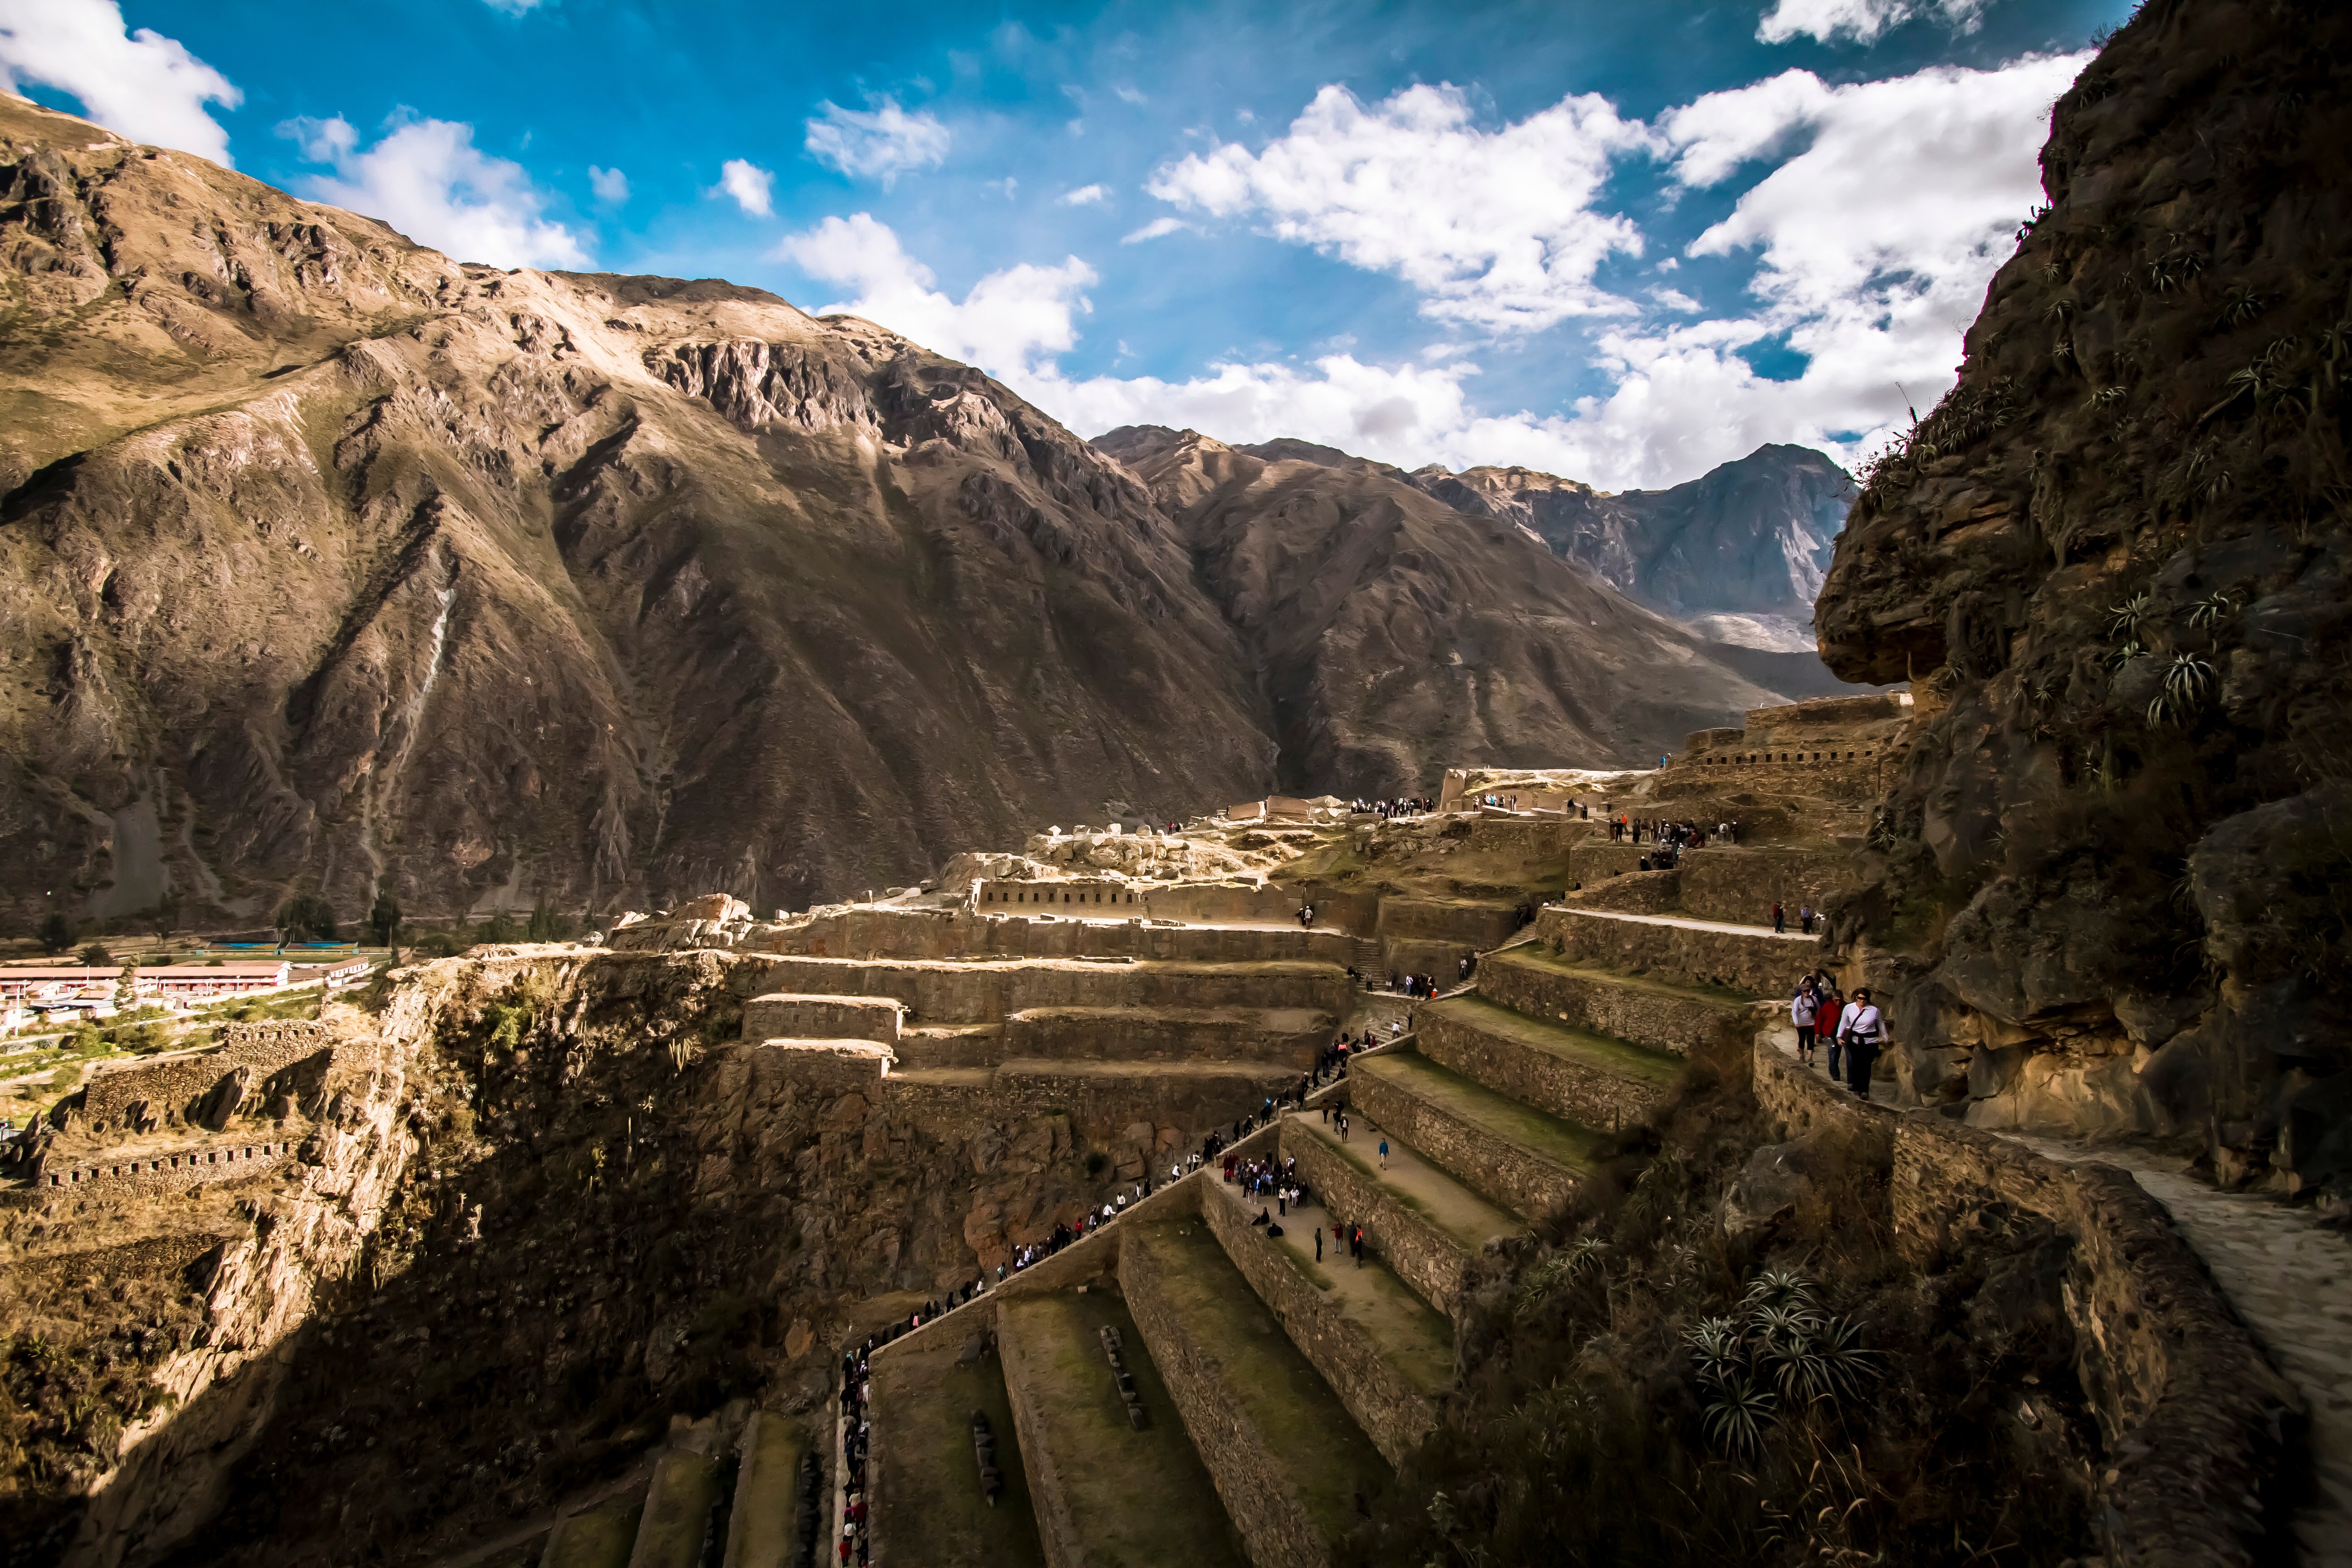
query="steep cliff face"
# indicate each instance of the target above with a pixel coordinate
(1751, 537)
(323, 558)
(1399, 635)
(2117, 552)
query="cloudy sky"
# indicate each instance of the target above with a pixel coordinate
(1622, 242)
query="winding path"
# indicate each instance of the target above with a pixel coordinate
(2289, 1278)
(1730, 927)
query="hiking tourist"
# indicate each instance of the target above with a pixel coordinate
(1860, 1025)
(1801, 1013)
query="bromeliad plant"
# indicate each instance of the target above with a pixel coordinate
(1776, 1354)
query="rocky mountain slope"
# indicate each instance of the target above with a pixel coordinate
(324, 557)
(1349, 585)
(2119, 548)
(1751, 536)
(326, 561)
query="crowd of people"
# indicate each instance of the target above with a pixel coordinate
(1674, 836)
(1399, 805)
(1853, 1028)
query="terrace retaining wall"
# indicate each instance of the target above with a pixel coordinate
(1498, 1172)
(1760, 964)
(1521, 981)
(1425, 1257)
(1598, 1098)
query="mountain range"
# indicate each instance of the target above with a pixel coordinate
(327, 561)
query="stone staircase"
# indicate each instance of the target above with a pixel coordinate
(748, 1506)
(1270, 1393)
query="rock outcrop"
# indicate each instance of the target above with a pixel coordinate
(2117, 559)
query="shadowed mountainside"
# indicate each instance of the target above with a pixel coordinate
(2119, 548)
(1352, 588)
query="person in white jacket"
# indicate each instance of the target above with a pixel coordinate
(1802, 1013)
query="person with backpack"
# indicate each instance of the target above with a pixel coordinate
(1862, 1026)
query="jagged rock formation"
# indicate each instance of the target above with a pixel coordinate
(2113, 871)
(325, 556)
(1751, 536)
(1395, 633)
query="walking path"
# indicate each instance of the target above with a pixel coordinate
(1728, 927)
(2289, 1278)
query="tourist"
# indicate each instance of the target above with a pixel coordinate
(1384, 1154)
(1801, 1013)
(1832, 1011)
(1780, 923)
(1805, 919)
(1862, 1026)
(1318, 1244)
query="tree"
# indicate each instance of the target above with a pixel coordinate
(57, 931)
(307, 916)
(383, 918)
(498, 928)
(167, 912)
(95, 956)
(546, 925)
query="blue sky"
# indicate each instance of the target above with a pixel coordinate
(1622, 242)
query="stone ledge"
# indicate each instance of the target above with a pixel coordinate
(1421, 1254)
(1393, 1415)
(1604, 1003)
(2196, 1421)
(1589, 1092)
(1500, 1171)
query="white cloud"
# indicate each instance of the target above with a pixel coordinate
(427, 179)
(141, 85)
(1494, 228)
(749, 184)
(1861, 20)
(879, 142)
(1130, 95)
(1004, 324)
(517, 7)
(1157, 228)
(1085, 196)
(611, 186)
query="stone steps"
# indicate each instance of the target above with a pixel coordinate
(1375, 1344)
(1643, 1010)
(1754, 960)
(1509, 1152)
(1108, 1491)
(1287, 1458)
(1425, 1225)
(1585, 1078)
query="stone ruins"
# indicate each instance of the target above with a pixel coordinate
(947, 1085)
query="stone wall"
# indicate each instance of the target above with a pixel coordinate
(1725, 882)
(1603, 858)
(1528, 980)
(1498, 1172)
(784, 1015)
(1005, 929)
(1425, 1257)
(156, 1256)
(940, 991)
(2194, 1417)
(148, 1173)
(1260, 1503)
(1288, 1036)
(1393, 1415)
(1451, 1036)
(1630, 892)
(1760, 964)
(1477, 924)
(170, 1087)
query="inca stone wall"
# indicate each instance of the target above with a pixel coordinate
(1419, 1253)
(1495, 1170)
(1760, 964)
(1526, 980)
(2194, 1413)
(1395, 1417)
(1729, 883)
(783, 1017)
(946, 992)
(1263, 1508)
(171, 1086)
(1630, 892)
(1592, 1096)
